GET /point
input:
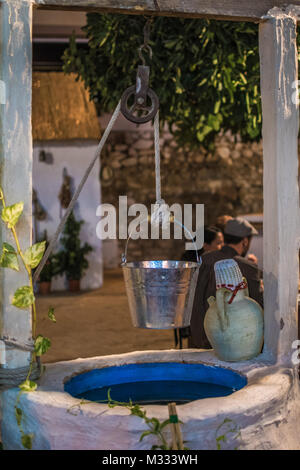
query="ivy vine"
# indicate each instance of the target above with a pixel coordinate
(155, 426)
(24, 298)
(227, 430)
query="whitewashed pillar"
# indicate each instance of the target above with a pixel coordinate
(279, 71)
(16, 159)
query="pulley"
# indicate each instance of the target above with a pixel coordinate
(145, 101)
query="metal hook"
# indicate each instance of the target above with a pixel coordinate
(146, 48)
(147, 29)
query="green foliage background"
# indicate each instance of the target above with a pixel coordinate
(206, 73)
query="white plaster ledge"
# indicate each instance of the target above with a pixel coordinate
(267, 410)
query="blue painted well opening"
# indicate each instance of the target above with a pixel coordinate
(156, 383)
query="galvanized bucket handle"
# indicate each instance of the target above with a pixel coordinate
(199, 260)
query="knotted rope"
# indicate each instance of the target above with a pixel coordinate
(10, 378)
(12, 343)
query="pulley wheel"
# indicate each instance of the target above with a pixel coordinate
(139, 113)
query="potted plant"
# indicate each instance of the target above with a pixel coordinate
(47, 273)
(71, 259)
(45, 279)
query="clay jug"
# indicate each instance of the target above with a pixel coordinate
(234, 322)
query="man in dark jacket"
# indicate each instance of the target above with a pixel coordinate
(237, 237)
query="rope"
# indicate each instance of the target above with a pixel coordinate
(10, 378)
(78, 191)
(12, 343)
(157, 159)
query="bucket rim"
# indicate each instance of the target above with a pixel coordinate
(161, 264)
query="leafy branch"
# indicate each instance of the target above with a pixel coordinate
(23, 297)
(228, 426)
(155, 426)
(205, 72)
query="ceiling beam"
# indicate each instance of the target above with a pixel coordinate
(235, 10)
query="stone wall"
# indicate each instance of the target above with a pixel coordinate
(227, 181)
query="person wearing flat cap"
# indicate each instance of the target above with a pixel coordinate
(237, 237)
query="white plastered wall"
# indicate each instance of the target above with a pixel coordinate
(47, 181)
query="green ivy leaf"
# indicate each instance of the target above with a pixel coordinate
(144, 434)
(9, 257)
(23, 297)
(28, 386)
(26, 440)
(19, 414)
(11, 214)
(156, 424)
(164, 424)
(51, 314)
(137, 411)
(34, 254)
(41, 345)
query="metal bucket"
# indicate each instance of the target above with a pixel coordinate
(160, 293)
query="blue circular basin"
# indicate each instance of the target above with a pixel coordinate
(155, 383)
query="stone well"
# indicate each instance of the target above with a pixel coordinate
(266, 410)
